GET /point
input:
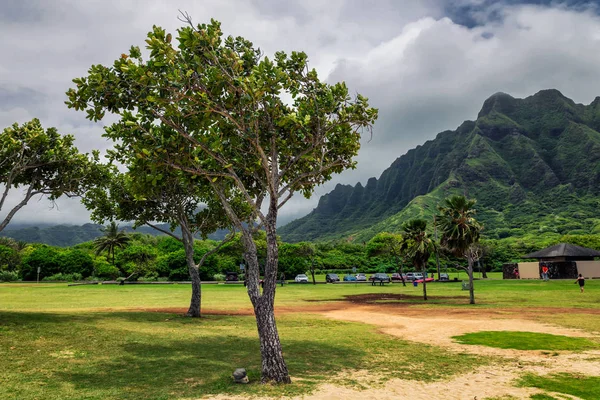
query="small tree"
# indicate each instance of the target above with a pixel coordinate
(309, 252)
(42, 162)
(460, 232)
(175, 201)
(389, 244)
(250, 127)
(418, 246)
(112, 239)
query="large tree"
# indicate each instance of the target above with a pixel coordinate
(460, 232)
(418, 246)
(173, 199)
(42, 162)
(252, 127)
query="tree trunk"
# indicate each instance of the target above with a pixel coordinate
(274, 368)
(470, 272)
(483, 270)
(401, 274)
(424, 283)
(312, 272)
(187, 237)
(194, 310)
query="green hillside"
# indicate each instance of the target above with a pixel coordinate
(71, 235)
(533, 164)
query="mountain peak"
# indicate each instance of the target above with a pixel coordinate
(549, 94)
(500, 102)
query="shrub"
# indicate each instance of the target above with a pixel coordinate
(46, 258)
(76, 261)
(104, 269)
(151, 277)
(10, 259)
(60, 277)
(180, 274)
(8, 276)
(218, 277)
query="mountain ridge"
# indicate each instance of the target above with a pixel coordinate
(70, 235)
(516, 151)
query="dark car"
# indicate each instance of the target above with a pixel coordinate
(397, 277)
(231, 276)
(380, 277)
(332, 278)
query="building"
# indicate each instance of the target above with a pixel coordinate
(564, 261)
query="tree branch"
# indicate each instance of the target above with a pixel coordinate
(164, 231)
(227, 239)
(30, 193)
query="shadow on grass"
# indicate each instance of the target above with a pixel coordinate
(132, 355)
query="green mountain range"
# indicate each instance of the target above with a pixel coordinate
(70, 235)
(533, 165)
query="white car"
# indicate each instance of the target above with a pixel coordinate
(301, 278)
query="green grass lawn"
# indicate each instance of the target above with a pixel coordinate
(584, 387)
(489, 293)
(136, 355)
(526, 341)
(98, 342)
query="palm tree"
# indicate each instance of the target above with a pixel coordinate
(460, 232)
(112, 239)
(417, 246)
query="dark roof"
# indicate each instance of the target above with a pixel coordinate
(564, 250)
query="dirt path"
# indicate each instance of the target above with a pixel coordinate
(437, 328)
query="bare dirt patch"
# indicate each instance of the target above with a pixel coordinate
(437, 327)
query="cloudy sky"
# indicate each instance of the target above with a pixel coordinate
(427, 65)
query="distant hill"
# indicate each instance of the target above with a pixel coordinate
(533, 164)
(70, 235)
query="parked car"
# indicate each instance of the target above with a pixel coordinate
(380, 277)
(397, 277)
(301, 278)
(348, 278)
(444, 277)
(361, 277)
(418, 275)
(332, 278)
(410, 276)
(231, 276)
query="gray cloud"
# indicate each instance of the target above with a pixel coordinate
(424, 72)
(435, 74)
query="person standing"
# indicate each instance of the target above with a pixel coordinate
(581, 281)
(544, 272)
